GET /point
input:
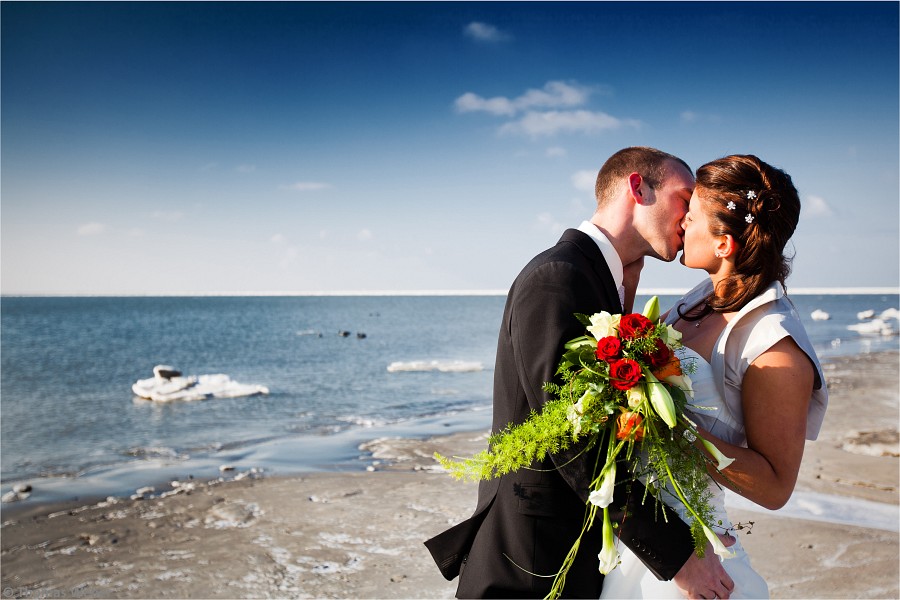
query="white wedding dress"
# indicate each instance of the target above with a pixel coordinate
(631, 579)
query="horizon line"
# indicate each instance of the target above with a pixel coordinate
(798, 291)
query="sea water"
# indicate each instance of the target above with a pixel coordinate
(340, 371)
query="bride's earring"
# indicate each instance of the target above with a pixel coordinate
(725, 247)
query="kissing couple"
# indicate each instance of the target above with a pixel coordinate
(758, 387)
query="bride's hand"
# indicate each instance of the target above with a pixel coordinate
(706, 577)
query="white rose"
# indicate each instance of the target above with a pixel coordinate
(671, 336)
(603, 324)
(635, 396)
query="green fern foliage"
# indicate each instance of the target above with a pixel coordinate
(517, 446)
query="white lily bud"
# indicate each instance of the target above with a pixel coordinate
(603, 496)
(722, 461)
(660, 399)
(718, 547)
(651, 309)
(681, 381)
(609, 556)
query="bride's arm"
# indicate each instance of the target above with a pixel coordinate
(775, 394)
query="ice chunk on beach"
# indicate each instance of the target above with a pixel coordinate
(445, 366)
(873, 327)
(166, 386)
(819, 315)
(890, 313)
(865, 314)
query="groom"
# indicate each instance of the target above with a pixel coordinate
(525, 522)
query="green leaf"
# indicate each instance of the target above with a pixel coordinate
(581, 342)
(583, 319)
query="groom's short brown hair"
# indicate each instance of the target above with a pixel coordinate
(650, 163)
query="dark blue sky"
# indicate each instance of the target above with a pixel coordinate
(321, 146)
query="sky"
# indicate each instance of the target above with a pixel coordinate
(171, 148)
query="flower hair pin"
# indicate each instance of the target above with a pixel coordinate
(749, 218)
(731, 205)
(751, 195)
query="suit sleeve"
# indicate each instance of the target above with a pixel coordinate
(663, 542)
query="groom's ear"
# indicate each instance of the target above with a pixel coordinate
(634, 187)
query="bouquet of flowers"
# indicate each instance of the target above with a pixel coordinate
(623, 387)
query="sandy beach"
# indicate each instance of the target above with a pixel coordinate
(360, 534)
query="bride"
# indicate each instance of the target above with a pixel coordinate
(759, 392)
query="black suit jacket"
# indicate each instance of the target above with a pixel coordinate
(526, 522)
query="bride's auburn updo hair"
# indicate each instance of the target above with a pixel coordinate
(759, 207)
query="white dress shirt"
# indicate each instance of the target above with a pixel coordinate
(609, 253)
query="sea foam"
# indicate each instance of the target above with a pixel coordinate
(445, 366)
(830, 508)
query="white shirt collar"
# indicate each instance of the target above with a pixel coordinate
(609, 252)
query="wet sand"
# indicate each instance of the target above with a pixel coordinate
(359, 535)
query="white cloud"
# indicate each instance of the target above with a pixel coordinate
(91, 229)
(546, 111)
(554, 94)
(306, 186)
(364, 235)
(470, 102)
(816, 207)
(573, 121)
(167, 215)
(547, 222)
(556, 152)
(485, 32)
(690, 116)
(584, 180)
(291, 253)
(579, 206)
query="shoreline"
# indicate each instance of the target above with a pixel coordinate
(360, 533)
(339, 452)
(661, 291)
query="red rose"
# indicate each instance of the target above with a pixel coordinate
(609, 348)
(659, 357)
(624, 374)
(634, 325)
